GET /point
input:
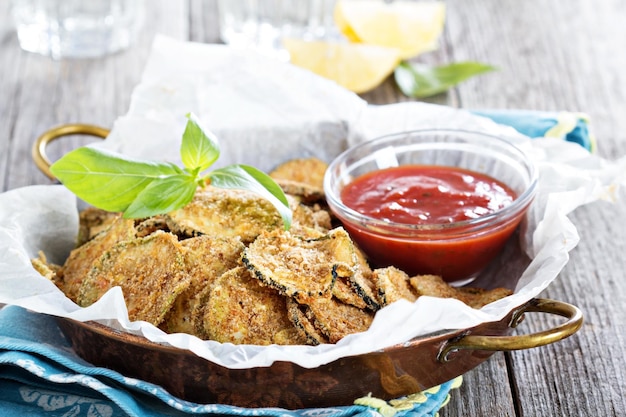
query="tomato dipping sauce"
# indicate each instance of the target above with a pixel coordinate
(425, 196)
(422, 194)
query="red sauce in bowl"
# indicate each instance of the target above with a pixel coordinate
(431, 195)
(422, 194)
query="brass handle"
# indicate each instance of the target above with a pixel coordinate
(506, 343)
(39, 147)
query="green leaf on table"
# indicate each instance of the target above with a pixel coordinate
(245, 177)
(199, 148)
(105, 180)
(420, 80)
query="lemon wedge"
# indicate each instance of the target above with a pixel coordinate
(357, 67)
(413, 27)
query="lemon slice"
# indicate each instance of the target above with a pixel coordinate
(412, 26)
(357, 67)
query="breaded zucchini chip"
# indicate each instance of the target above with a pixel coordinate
(206, 258)
(301, 268)
(302, 177)
(312, 217)
(393, 285)
(345, 292)
(303, 324)
(225, 212)
(150, 225)
(243, 311)
(46, 269)
(93, 221)
(151, 272)
(363, 282)
(81, 259)
(336, 320)
(435, 286)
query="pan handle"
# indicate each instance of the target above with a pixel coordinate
(38, 151)
(507, 343)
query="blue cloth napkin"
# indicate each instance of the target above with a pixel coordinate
(570, 126)
(40, 375)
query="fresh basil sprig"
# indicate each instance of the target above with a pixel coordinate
(141, 188)
(421, 81)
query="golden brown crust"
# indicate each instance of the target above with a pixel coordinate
(242, 311)
(297, 314)
(206, 259)
(306, 193)
(303, 177)
(92, 221)
(81, 259)
(225, 212)
(435, 286)
(151, 272)
(46, 269)
(346, 293)
(311, 217)
(300, 268)
(393, 285)
(336, 320)
(305, 170)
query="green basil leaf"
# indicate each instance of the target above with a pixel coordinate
(200, 148)
(108, 180)
(162, 196)
(420, 81)
(245, 177)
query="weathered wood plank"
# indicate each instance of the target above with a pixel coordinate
(485, 392)
(562, 56)
(565, 55)
(45, 93)
(585, 374)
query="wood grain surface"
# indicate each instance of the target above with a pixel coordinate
(552, 55)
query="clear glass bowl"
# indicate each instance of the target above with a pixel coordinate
(457, 251)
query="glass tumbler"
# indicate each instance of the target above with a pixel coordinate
(76, 28)
(261, 24)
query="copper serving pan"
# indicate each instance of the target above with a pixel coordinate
(390, 373)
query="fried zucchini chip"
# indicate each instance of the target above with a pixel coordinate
(312, 217)
(243, 311)
(225, 212)
(301, 268)
(303, 325)
(345, 292)
(303, 177)
(336, 320)
(304, 170)
(393, 285)
(81, 259)
(478, 297)
(363, 283)
(93, 221)
(150, 225)
(151, 272)
(46, 269)
(306, 193)
(206, 258)
(358, 289)
(435, 286)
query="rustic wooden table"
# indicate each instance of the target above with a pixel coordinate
(556, 55)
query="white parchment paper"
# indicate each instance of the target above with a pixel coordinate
(266, 112)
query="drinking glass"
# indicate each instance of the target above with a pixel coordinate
(261, 24)
(76, 28)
